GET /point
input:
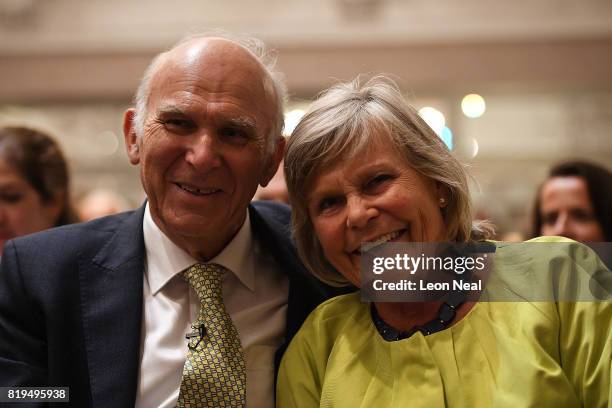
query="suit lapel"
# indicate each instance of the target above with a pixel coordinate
(271, 227)
(111, 300)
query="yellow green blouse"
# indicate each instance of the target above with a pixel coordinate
(501, 354)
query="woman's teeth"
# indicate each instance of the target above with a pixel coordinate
(366, 246)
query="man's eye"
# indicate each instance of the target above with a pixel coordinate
(178, 124)
(233, 133)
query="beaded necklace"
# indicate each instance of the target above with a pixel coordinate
(446, 314)
(447, 311)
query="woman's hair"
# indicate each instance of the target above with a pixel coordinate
(599, 186)
(39, 159)
(345, 120)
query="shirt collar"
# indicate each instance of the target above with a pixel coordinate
(165, 259)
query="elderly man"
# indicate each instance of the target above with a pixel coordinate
(191, 299)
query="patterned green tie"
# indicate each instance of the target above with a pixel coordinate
(214, 374)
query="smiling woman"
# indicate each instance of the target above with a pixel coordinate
(364, 169)
(374, 184)
(34, 183)
(369, 134)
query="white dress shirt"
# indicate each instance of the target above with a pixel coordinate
(254, 294)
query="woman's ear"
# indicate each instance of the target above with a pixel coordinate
(443, 194)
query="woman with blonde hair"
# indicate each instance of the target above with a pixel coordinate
(363, 167)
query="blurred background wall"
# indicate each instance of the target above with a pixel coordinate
(544, 69)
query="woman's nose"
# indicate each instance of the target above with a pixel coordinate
(563, 226)
(359, 213)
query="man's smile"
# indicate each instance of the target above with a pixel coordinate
(197, 191)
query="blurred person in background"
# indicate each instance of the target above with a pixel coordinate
(575, 202)
(276, 190)
(34, 183)
(100, 202)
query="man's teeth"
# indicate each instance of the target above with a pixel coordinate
(194, 190)
(366, 246)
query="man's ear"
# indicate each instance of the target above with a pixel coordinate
(129, 133)
(275, 160)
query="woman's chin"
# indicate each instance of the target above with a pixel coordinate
(352, 275)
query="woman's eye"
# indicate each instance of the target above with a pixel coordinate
(549, 218)
(10, 198)
(582, 215)
(327, 204)
(377, 181)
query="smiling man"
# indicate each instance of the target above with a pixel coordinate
(190, 300)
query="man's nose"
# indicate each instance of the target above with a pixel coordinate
(359, 212)
(203, 152)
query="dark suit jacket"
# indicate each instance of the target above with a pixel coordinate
(71, 303)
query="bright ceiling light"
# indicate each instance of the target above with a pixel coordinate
(473, 105)
(475, 148)
(434, 118)
(447, 137)
(292, 118)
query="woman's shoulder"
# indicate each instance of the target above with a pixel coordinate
(550, 269)
(339, 307)
(335, 316)
(543, 250)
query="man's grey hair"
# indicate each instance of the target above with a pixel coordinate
(266, 57)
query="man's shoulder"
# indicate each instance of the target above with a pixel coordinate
(273, 213)
(76, 232)
(271, 222)
(69, 241)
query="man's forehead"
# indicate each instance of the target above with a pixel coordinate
(213, 63)
(213, 52)
(216, 70)
(227, 115)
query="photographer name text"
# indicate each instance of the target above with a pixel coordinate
(423, 285)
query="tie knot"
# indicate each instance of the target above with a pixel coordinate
(205, 279)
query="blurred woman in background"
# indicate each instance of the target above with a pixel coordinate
(34, 183)
(575, 202)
